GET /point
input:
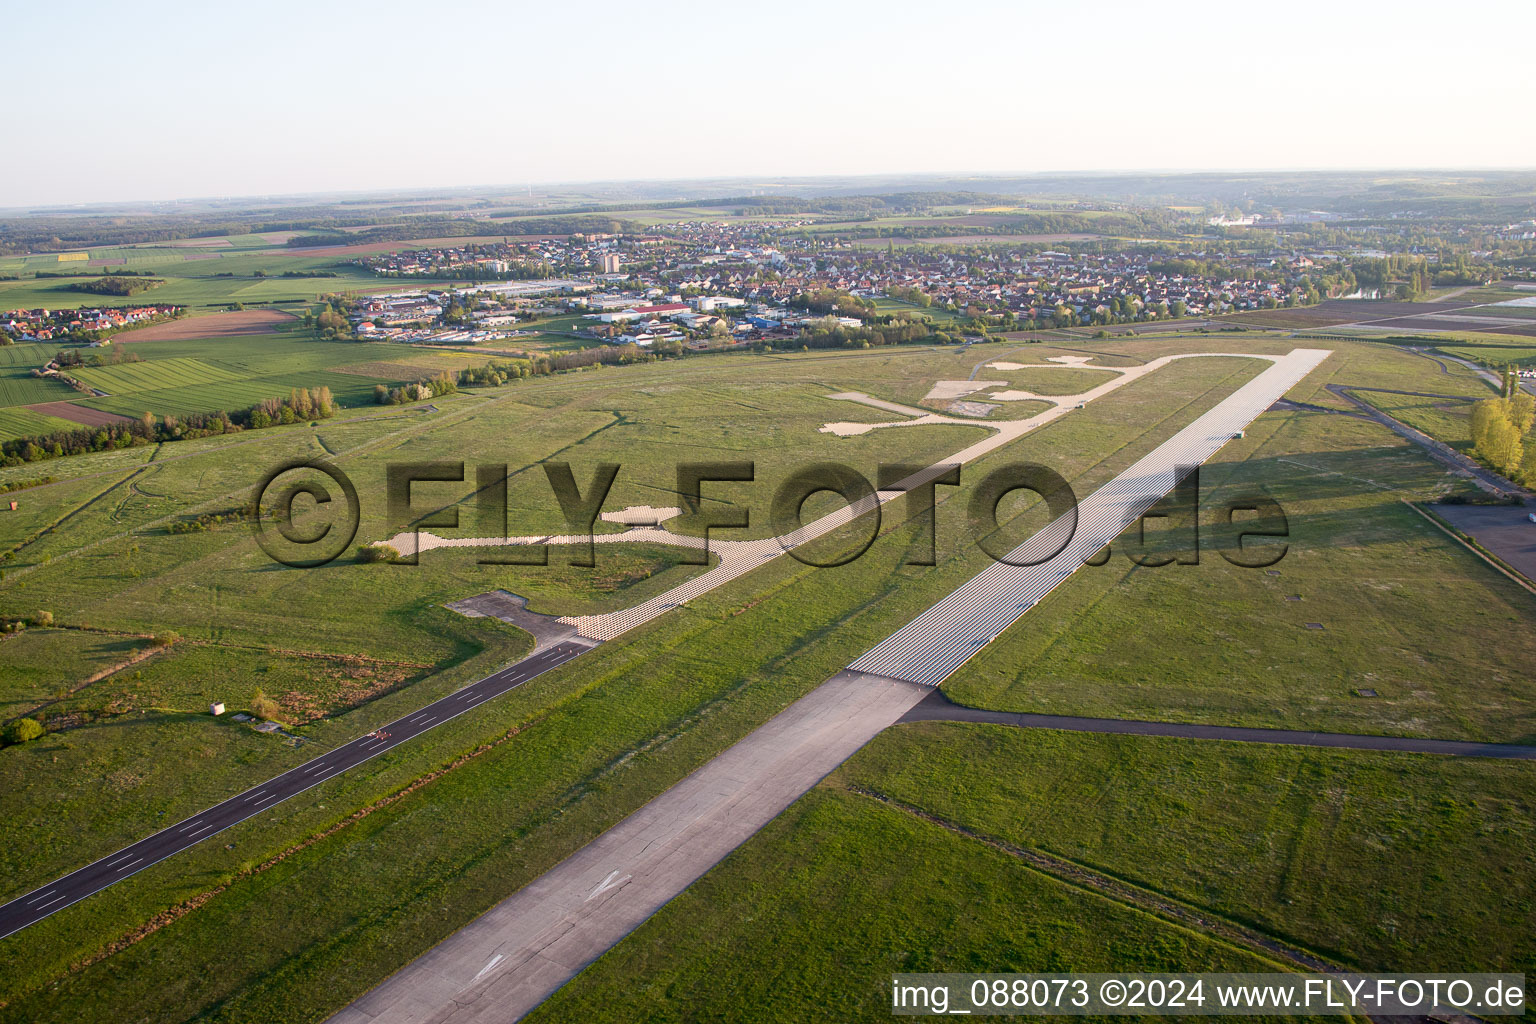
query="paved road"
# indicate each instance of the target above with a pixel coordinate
(1488, 375)
(509, 960)
(937, 708)
(1395, 391)
(76, 886)
(1440, 451)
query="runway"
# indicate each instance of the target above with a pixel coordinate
(944, 637)
(77, 885)
(509, 960)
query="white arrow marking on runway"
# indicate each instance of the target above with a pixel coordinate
(608, 883)
(486, 969)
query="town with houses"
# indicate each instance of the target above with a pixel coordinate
(94, 325)
(717, 285)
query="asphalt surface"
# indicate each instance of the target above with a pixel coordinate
(938, 708)
(77, 885)
(1502, 529)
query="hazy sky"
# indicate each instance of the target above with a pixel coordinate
(147, 100)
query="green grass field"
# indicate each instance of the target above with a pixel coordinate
(1383, 862)
(16, 423)
(809, 920)
(19, 387)
(1495, 355)
(1063, 381)
(156, 375)
(1380, 861)
(212, 375)
(202, 279)
(1447, 421)
(235, 393)
(1401, 612)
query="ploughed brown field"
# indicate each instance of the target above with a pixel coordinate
(78, 414)
(234, 324)
(1337, 312)
(1470, 323)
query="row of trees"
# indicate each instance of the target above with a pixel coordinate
(497, 373)
(442, 384)
(1413, 275)
(112, 356)
(301, 404)
(829, 333)
(908, 293)
(517, 270)
(832, 302)
(1499, 436)
(118, 284)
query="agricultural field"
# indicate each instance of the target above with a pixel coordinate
(203, 280)
(16, 423)
(233, 324)
(1515, 312)
(19, 387)
(156, 375)
(184, 375)
(233, 393)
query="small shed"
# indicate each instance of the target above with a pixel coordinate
(216, 709)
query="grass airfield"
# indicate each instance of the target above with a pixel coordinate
(597, 738)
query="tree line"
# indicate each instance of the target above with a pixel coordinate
(1500, 435)
(301, 404)
(118, 284)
